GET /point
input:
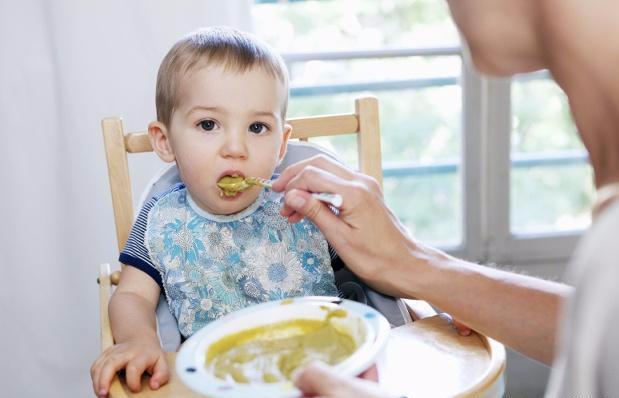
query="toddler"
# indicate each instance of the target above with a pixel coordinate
(221, 111)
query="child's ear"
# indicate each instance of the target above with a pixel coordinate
(287, 133)
(160, 141)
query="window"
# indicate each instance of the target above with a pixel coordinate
(548, 160)
(462, 155)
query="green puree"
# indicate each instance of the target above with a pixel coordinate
(271, 353)
(231, 185)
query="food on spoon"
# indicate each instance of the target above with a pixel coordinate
(231, 185)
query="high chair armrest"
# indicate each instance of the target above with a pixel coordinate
(106, 281)
(105, 290)
(419, 309)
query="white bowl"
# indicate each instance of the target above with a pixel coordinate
(367, 326)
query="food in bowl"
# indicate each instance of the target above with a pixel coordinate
(270, 353)
(278, 319)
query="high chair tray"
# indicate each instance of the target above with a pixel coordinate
(426, 358)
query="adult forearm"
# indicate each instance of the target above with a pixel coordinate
(520, 311)
(132, 318)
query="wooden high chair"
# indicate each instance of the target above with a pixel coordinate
(364, 123)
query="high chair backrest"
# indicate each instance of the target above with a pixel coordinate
(364, 123)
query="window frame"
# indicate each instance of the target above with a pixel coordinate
(487, 130)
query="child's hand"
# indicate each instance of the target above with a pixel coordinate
(135, 358)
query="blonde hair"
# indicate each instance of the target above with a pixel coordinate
(223, 46)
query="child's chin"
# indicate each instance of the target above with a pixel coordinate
(238, 202)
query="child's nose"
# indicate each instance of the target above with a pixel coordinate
(234, 146)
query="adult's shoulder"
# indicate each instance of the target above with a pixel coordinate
(595, 270)
(589, 351)
(599, 247)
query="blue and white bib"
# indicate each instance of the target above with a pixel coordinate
(209, 265)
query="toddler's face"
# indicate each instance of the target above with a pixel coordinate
(227, 123)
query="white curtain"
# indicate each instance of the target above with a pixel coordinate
(64, 65)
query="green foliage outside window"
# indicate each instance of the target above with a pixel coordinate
(423, 126)
(551, 198)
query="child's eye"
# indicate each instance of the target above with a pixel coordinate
(258, 128)
(207, 125)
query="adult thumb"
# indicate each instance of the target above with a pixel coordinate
(317, 379)
(304, 204)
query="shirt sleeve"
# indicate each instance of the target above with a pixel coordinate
(135, 253)
(336, 261)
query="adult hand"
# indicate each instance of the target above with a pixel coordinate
(461, 328)
(366, 234)
(136, 359)
(318, 379)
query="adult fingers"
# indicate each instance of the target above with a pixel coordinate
(302, 204)
(313, 179)
(319, 161)
(160, 373)
(370, 374)
(463, 330)
(317, 379)
(316, 179)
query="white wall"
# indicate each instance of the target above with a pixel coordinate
(64, 65)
